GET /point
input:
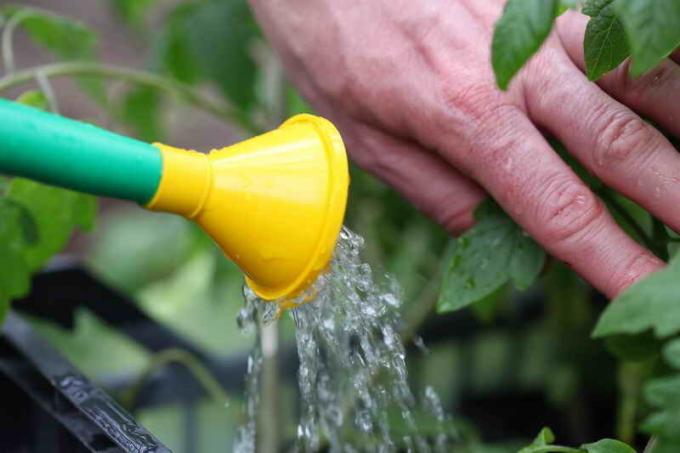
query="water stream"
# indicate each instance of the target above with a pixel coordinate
(352, 373)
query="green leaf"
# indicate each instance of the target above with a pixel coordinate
(666, 445)
(494, 252)
(653, 30)
(132, 11)
(220, 36)
(566, 5)
(518, 34)
(653, 303)
(486, 308)
(14, 273)
(172, 53)
(141, 110)
(56, 213)
(608, 446)
(671, 353)
(68, 40)
(633, 348)
(63, 37)
(34, 98)
(545, 437)
(605, 45)
(663, 394)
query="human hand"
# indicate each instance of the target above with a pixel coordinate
(409, 84)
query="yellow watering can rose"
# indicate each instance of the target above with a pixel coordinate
(273, 203)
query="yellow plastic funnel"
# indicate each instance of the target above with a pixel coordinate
(274, 203)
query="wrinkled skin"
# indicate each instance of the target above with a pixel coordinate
(410, 86)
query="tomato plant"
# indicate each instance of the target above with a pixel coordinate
(209, 54)
(642, 324)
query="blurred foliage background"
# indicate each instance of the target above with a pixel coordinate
(503, 367)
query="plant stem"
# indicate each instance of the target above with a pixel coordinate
(8, 36)
(209, 383)
(631, 376)
(83, 68)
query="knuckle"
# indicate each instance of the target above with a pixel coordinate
(479, 102)
(567, 211)
(622, 137)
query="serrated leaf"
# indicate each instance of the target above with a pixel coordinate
(605, 45)
(35, 99)
(494, 252)
(653, 303)
(653, 30)
(671, 353)
(519, 33)
(608, 446)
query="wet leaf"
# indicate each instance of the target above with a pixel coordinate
(494, 252)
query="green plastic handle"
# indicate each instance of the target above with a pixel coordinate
(67, 153)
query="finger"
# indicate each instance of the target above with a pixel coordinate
(655, 95)
(515, 164)
(612, 141)
(422, 177)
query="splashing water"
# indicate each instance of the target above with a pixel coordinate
(352, 372)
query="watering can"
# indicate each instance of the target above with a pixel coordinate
(274, 203)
